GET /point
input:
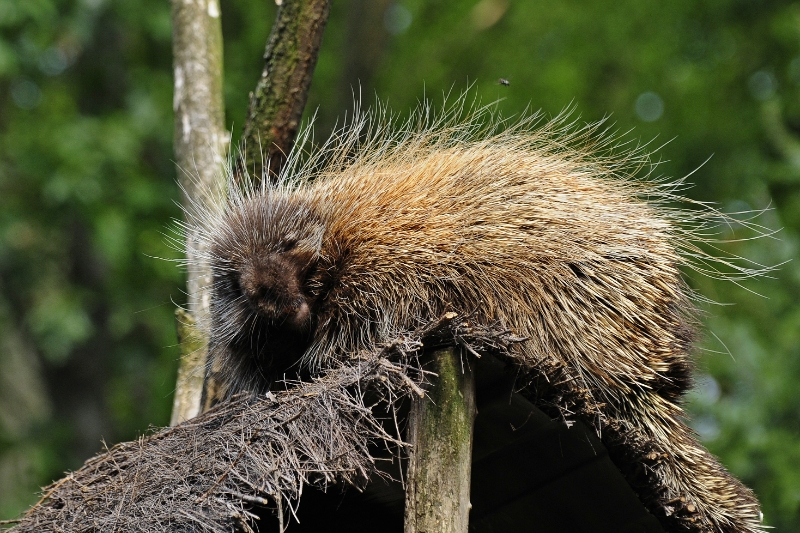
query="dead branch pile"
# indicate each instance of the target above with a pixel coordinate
(209, 473)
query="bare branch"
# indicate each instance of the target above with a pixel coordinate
(277, 104)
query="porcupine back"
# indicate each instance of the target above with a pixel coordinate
(379, 232)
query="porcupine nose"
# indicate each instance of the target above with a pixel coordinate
(272, 287)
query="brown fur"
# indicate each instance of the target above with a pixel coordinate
(527, 226)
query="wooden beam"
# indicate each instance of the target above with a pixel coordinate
(440, 430)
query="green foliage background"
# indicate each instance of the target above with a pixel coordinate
(87, 187)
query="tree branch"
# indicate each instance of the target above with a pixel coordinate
(277, 104)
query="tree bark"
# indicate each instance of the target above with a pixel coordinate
(277, 104)
(440, 431)
(189, 387)
(201, 145)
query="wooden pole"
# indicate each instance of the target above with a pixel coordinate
(201, 145)
(440, 431)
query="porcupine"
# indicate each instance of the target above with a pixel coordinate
(539, 226)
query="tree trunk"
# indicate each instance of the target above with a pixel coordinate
(440, 430)
(191, 375)
(201, 145)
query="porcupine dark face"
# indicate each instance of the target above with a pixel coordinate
(261, 310)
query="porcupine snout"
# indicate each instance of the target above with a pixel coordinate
(273, 288)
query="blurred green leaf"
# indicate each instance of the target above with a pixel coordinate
(87, 184)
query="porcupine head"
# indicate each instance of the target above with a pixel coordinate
(262, 253)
